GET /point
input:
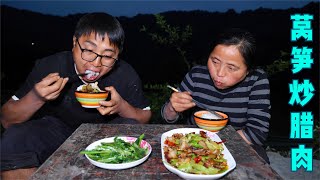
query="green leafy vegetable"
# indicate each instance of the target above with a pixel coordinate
(117, 152)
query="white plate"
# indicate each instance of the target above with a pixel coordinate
(144, 144)
(227, 155)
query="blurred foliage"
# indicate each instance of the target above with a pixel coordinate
(157, 94)
(281, 64)
(171, 36)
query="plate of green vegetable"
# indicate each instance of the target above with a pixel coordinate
(194, 153)
(120, 152)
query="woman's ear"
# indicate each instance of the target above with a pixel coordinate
(74, 41)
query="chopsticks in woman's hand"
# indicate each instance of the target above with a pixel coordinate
(197, 103)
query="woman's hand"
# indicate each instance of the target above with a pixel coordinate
(50, 87)
(243, 136)
(114, 106)
(181, 101)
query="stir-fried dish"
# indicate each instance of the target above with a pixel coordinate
(195, 153)
(118, 151)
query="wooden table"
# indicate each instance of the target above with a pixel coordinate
(67, 163)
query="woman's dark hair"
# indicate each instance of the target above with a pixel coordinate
(244, 40)
(101, 23)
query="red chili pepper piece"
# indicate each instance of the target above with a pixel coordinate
(197, 159)
(169, 143)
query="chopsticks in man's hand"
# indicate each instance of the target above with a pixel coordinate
(76, 77)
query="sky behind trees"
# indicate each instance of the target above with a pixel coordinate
(133, 7)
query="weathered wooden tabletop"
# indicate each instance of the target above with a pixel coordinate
(67, 163)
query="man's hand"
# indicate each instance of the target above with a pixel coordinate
(181, 101)
(50, 87)
(114, 106)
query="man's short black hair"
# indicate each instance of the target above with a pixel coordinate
(101, 23)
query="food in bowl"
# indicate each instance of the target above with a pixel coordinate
(209, 121)
(195, 153)
(90, 88)
(90, 94)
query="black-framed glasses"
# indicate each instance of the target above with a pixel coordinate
(90, 56)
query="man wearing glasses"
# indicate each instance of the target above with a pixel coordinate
(44, 111)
